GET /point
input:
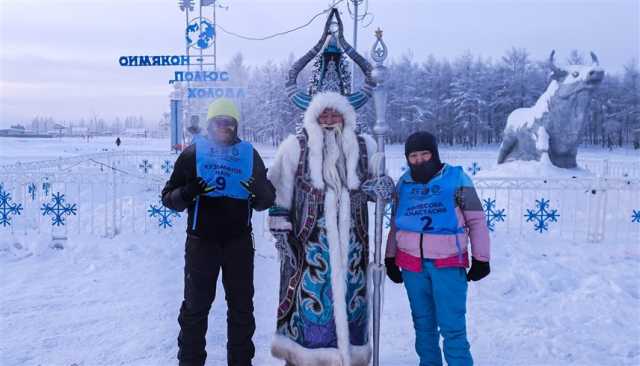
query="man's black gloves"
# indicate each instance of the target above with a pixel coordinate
(393, 272)
(478, 271)
(195, 188)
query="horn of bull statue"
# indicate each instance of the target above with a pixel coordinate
(557, 72)
(594, 58)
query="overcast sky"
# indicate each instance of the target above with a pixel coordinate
(60, 58)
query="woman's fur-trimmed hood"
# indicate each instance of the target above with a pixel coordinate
(339, 103)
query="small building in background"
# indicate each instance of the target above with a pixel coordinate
(136, 132)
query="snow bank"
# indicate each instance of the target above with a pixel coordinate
(532, 169)
(115, 302)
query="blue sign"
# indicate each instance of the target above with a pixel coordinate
(200, 76)
(173, 60)
(226, 92)
(200, 33)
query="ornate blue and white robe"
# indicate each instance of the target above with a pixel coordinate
(323, 313)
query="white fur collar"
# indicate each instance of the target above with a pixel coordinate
(336, 101)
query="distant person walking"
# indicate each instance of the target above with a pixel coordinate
(118, 142)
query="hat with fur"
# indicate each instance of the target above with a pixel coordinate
(339, 103)
(331, 100)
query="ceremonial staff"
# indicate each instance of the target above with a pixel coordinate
(380, 129)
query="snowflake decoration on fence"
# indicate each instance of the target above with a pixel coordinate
(145, 166)
(186, 4)
(32, 189)
(542, 215)
(166, 166)
(635, 216)
(493, 215)
(474, 168)
(46, 186)
(57, 209)
(7, 208)
(164, 214)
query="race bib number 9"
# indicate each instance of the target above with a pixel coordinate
(224, 167)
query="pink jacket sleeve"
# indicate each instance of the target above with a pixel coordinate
(467, 199)
(478, 234)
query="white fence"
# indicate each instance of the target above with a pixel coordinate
(131, 162)
(118, 193)
(577, 209)
(600, 167)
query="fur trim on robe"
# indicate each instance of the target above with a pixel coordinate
(286, 349)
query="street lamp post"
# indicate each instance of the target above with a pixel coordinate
(379, 73)
(186, 6)
(355, 41)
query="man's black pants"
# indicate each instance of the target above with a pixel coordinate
(203, 261)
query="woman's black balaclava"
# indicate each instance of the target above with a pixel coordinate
(420, 141)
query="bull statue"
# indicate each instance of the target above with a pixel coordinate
(554, 125)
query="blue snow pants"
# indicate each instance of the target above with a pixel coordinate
(438, 299)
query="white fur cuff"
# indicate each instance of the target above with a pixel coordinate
(285, 349)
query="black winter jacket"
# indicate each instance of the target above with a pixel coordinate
(219, 218)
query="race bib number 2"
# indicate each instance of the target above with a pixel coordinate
(427, 223)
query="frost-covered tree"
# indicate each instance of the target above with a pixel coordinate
(467, 101)
(464, 101)
(630, 100)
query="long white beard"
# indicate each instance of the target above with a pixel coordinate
(334, 171)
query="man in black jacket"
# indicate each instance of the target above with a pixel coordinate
(220, 180)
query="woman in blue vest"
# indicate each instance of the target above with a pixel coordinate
(436, 213)
(219, 180)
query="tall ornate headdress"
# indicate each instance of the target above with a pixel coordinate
(332, 71)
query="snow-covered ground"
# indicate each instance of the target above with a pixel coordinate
(33, 149)
(548, 301)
